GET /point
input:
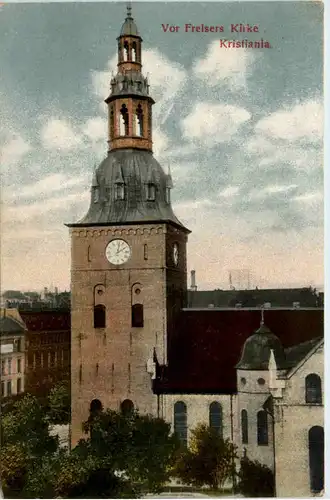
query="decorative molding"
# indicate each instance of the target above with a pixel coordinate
(125, 231)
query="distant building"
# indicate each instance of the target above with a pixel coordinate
(48, 345)
(268, 298)
(12, 345)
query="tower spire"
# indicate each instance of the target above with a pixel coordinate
(129, 10)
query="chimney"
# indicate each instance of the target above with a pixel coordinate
(193, 286)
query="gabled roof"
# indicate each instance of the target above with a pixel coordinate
(52, 320)
(207, 345)
(10, 325)
(305, 351)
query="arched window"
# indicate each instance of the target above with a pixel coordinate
(262, 427)
(99, 316)
(139, 121)
(119, 191)
(137, 316)
(126, 51)
(95, 406)
(127, 406)
(133, 51)
(180, 421)
(215, 417)
(123, 121)
(313, 388)
(316, 458)
(244, 427)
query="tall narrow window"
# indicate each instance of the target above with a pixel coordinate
(168, 195)
(126, 51)
(313, 389)
(19, 385)
(19, 345)
(316, 458)
(139, 121)
(2, 389)
(96, 194)
(180, 421)
(133, 51)
(9, 366)
(262, 428)
(119, 191)
(112, 123)
(215, 417)
(3, 367)
(145, 251)
(244, 427)
(99, 316)
(123, 123)
(9, 388)
(80, 374)
(151, 191)
(137, 316)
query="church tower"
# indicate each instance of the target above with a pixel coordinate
(128, 257)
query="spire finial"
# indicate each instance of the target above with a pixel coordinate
(129, 9)
(262, 322)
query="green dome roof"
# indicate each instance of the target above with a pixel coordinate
(129, 27)
(256, 351)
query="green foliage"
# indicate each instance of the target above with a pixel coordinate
(59, 404)
(123, 456)
(141, 446)
(255, 479)
(209, 461)
(27, 425)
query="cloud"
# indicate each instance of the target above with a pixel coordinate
(95, 129)
(24, 212)
(13, 150)
(46, 186)
(229, 191)
(160, 142)
(229, 67)
(214, 123)
(310, 198)
(279, 189)
(303, 121)
(59, 134)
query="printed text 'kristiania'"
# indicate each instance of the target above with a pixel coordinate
(204, 28)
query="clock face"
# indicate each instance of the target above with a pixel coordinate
(118, 252)
(176, 253)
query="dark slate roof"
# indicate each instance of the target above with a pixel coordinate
(257, 348)
(208, 345)
(135, 168)
(129, 83)
(10, 325)
(277, 297)
(52, 320)
(296, 353)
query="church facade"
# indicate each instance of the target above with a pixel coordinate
(133, 341)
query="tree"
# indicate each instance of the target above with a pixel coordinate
(209, 461)
(140, 447)
(27, 425)
(59, 404)
(255, 479)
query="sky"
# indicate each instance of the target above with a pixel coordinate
(240, 129)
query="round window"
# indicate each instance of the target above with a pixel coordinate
(261, 381)
(243, 381)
